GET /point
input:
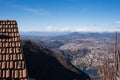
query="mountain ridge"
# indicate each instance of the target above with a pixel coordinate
(44, 64)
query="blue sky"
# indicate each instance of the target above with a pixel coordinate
(63, 15)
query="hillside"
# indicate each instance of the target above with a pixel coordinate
(43, 64)
(86, 51)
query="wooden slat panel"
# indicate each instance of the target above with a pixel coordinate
(24, 73)
(7, 73)
(16, 74)
(11, 64)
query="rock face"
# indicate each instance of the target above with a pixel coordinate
(43, 64)
(12, 65)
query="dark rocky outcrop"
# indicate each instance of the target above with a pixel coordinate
(43, 64)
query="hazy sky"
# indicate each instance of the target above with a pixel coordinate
(63, 15)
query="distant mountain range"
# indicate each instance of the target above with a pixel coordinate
(44, 33)
(60, 33)
(67, 34)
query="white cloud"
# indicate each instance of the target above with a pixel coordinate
(64, 29)
(57, 29)
(81, 29)
(28, 9)
(75, 29)
(31, 10)
(117, 22)
(35, 11)
(50, 28)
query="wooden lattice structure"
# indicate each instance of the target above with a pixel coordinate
(116, 60)
(113, 73)
(110, 71)
(12, 64)
(107, 70)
